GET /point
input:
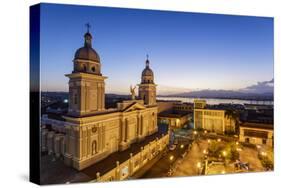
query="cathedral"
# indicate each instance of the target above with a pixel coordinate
(89, 132)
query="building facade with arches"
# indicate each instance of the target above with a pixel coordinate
(89, 132)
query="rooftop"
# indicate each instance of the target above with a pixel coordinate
(268, 126)
(173, 114)
(109, 163)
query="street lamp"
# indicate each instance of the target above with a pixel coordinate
(218, 139)
(263, 153)
(238, 149)
(182, 146)
(171, 157)
(195, 132)
(209, 141)
(224, 153)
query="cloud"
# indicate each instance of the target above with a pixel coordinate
(170, 90)
(260, 87)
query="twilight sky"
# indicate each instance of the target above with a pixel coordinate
(187, 51)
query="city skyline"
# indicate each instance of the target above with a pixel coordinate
(187, 51)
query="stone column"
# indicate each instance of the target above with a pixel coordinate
(123, 130)
(138, 123)
(57, 144)
(98, 176)
(126, 130)
(141, 127)
(50, 142)
(103, 96)
(117, 172)
(131, 166)
(141, 157)
(88, 142)
(98, 96)
(62, 145)
(44, 133)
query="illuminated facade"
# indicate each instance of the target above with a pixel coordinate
(212, 120)
(256, 133)
(89, 133)
(174, 120)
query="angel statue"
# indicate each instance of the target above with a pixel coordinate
(133, 93)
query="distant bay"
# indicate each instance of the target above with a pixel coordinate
(213, 101)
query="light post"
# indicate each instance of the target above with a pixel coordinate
(171, 158)
(195, 133)
(204, 151)
(224, 153)
(263, 153)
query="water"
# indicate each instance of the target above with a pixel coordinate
(217, 101)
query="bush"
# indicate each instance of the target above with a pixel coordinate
(232, 153)
(215, 149)
(266, 161)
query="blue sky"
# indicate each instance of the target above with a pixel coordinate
(187, 51)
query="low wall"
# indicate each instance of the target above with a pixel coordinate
(126, 169)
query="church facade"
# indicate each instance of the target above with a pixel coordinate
(89, 132)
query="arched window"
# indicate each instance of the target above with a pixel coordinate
(93, 69)
(94, 147)
(84, 68)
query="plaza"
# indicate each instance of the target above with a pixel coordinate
(194, 160)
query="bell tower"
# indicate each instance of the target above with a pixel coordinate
(86, 83)
(147, 87)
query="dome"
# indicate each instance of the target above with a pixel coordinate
(147, 74)
(147, 71)
(87, 52)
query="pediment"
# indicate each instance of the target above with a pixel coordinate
(134, 106)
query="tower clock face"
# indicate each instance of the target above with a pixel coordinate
(94, 129)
